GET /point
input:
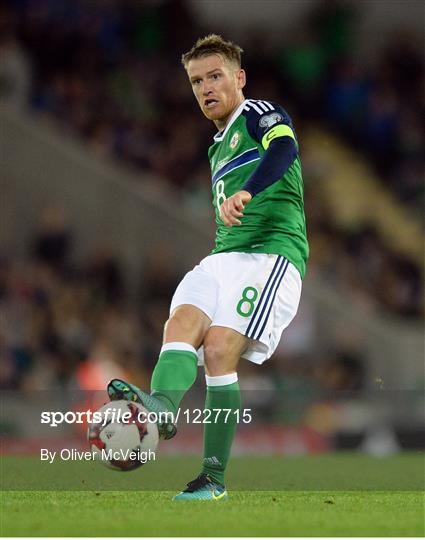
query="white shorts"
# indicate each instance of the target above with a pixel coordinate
(256, 294)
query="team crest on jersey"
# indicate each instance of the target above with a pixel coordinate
(270, 120)
(234, 141)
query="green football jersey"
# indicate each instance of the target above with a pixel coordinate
(273, 221)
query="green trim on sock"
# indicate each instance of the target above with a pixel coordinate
(219, 435)
(174, 373)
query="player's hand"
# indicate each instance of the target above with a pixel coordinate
(232, 209)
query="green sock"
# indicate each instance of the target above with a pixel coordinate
(174, 373)
(223, 392)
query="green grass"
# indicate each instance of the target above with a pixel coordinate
(330, 495)
(345, 471)
(245, 514)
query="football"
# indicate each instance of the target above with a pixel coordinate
(121, 435)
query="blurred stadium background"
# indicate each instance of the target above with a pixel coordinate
(106, 204)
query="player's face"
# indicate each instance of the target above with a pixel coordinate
(217, 85)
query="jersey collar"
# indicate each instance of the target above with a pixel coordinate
(220, 135)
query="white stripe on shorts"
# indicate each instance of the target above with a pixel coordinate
(264, 306)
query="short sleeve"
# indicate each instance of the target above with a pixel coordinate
(267, 121)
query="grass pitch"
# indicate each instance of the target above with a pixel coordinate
(324, 509)
(245, 514)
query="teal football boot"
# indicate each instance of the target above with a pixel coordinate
(118, 389)
(203, 488)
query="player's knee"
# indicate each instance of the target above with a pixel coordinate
(177, 324)
(186, 324)
(222, 350)
(215, 358)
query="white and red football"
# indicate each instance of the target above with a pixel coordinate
(122, 436)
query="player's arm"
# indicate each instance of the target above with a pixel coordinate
(277, 159)
(278, 140)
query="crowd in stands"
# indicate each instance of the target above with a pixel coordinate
(69, 325)
(72, 324)
(110, 72)
(111, 75)
(373, 100)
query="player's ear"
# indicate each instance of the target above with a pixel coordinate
(241, 79)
